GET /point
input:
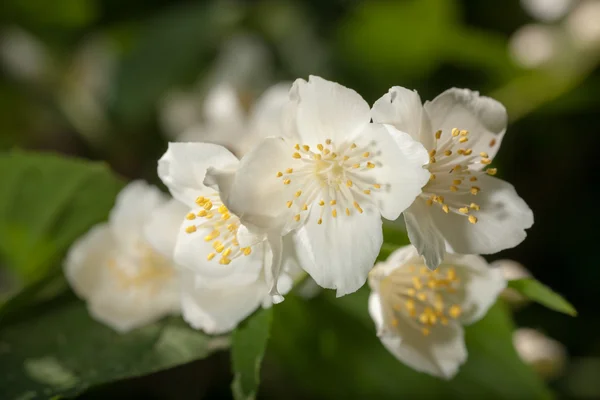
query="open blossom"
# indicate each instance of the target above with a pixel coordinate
(419, 313)
(463, 208)
(227, 123)
(224, 279)
(213, 304)
(126, 283)
(328, 179)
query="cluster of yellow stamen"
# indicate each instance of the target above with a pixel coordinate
(449, 162)
(222, 227)
(422, 297)
(149, 269)
(332, 179)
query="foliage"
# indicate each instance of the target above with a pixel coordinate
(536, 291)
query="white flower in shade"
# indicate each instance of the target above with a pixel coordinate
(419, 313)
(126, 283)
(227, 123)
(545, 355)
(224, 280)
(328, 178)
(463, 208)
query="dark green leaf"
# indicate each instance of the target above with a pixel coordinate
(329, 347)
(249, 342)
(537, 291)
(63, 352)
(46, 202)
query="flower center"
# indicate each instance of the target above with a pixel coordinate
(148, 267)
(449, 163)
(221, 227)
(334, 176)
(420, 296)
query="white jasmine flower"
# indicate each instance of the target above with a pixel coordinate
(213, 304)
(331, 175)
(227, 123)
(213, 243)
(126, 283)
(547, 356)
(463, 208)
(419, 313)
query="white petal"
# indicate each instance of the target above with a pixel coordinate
(218, 310)
(424, 234)
(502, 219)
(403, 109)
(266, 117)
(86, 256)
(399, 169)
(274, 267)
(257, 194)
(191, 251)
(482, 282)
(376, 312)
(163, 226)
(133, 207)
(327, 110)
(127, 310)
(439, 354)
(220, 180)
(483, 117)
(183, 168)
(339, 253)
(122, 307)
(399, 257)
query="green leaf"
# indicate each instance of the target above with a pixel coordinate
(46, 202)
(410, 37)
(538, 292)
(62, 351)
(328, 340)
(170, 48)
(249, 342)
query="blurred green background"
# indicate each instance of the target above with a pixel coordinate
(115, 80)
